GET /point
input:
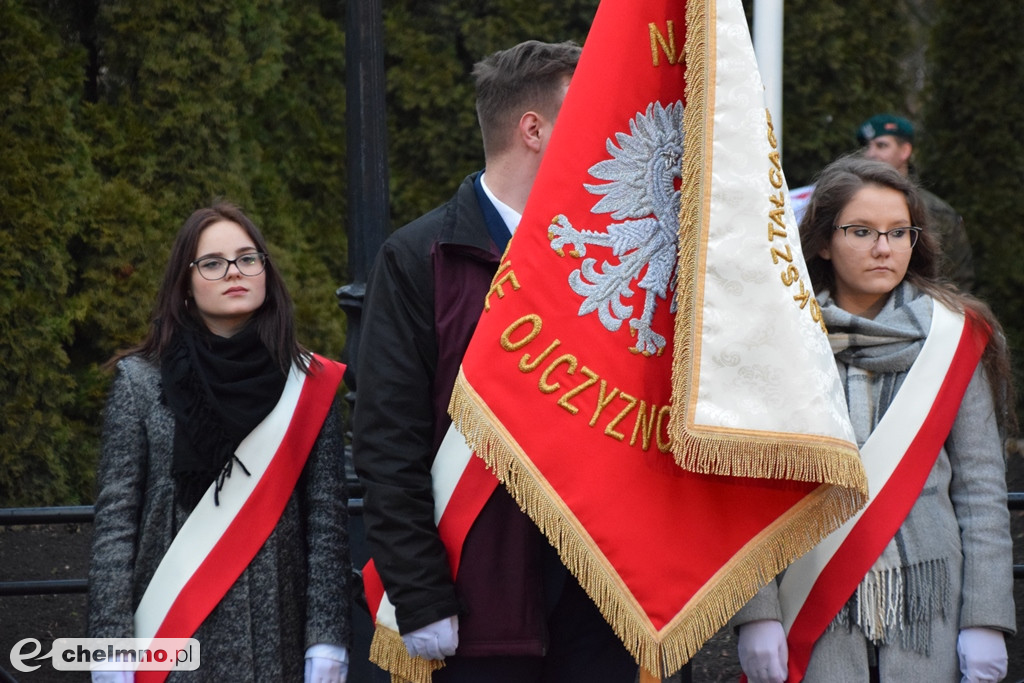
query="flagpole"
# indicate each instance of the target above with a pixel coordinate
(647, 677)
(768, 48)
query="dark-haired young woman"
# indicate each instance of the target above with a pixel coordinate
(920, 586)
(221, 511)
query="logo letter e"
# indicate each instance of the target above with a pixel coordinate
(18, 657)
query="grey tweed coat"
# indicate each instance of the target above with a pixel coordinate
(294, 593)
(960, 519)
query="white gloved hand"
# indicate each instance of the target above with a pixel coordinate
(763, 652)
(113, 677)
(434, 641)
(982, 654)
(326, 664)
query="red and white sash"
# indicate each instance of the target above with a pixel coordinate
(462, 485)
(217, 542)
(815, 587)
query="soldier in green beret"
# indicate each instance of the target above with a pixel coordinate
(890, 139)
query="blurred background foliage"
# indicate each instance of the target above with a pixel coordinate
(119, 118)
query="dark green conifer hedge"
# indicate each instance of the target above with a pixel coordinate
(842, 63)
(45, 182)
(118, 119)
(973, 146)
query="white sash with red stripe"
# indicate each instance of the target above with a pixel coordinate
(815, 587)
(217, 542)
(461, 485)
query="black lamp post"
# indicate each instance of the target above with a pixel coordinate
(368, 226)
(367, 161)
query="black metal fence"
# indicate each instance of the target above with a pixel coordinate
(82, 514)
(73, 514)
(362, 625)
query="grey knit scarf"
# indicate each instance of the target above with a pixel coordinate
(896, 601)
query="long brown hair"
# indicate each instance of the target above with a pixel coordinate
(274, 320)
(833, 190)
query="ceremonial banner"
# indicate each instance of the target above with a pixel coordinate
(650, 378)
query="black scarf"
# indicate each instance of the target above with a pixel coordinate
(219, 389)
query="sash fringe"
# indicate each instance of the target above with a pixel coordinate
(387, 650)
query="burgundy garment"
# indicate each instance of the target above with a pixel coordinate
(500, 572)
(501, 584)
(424, 297)
(462, 276)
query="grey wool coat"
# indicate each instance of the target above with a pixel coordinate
(294, 593)
(961, 521)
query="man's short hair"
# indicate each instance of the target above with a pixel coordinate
(885, 124)
(509, 83)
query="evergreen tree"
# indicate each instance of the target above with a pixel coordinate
(299, 184)
(843, 62)
(44, 179)
(185, 103)
(175, 80)
(431, 49)
(973, 145)
(120, 118)
(232, 100)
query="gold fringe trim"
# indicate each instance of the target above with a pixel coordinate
(699, 55)
(387, 650)
(837, 464)
(662, 653)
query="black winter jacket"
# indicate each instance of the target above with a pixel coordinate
(424, 297)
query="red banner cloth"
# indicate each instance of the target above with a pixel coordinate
(567, 389)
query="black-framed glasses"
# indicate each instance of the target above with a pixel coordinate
(216, 267)
(862, 238)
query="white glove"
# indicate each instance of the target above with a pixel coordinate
(764, 654)
(982, 655)
(113, 677)
(326, 664)
(434, 641)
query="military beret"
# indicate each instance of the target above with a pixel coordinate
(885, 124)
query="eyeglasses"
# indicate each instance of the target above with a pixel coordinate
(216, 267)
(862, 238)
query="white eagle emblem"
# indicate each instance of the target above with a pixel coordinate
(642, 196)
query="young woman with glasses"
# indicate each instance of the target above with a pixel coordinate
(221, 511)
(932, 596)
